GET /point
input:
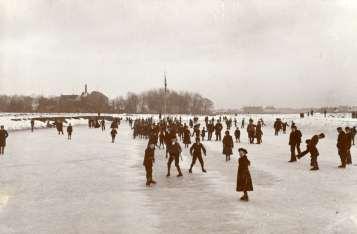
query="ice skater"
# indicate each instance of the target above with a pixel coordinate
(348, 145)
(69, 131)
(149, 160)
(312, 149)
(186, 137)
(32, 125)
(102, 124)
(294, 141)
(59, 127)
(203, 133)
(174, 151)
(228, 146)
(196, 153)
(244, 179)
(354, 132)
(3, 136)
(113, 133)
(237, 134)
(342, 147)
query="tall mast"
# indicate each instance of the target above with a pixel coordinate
(165, 93)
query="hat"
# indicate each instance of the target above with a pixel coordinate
(243, 150)
(322, 135)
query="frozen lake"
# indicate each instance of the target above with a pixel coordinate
(88, 185)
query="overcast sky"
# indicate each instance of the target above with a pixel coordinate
(236, 52)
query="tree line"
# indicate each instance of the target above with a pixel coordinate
(149, 102)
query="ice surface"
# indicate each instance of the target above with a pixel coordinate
(88, 185)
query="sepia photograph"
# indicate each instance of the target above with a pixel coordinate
(178, 116)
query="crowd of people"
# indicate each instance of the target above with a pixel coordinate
(167, 134)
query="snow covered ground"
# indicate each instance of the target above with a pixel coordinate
(88, 185)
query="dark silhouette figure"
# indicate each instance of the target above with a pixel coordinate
(348, 145)
(59, 127)
(186, 137)
(32, 125)
(149, 160)
(196, 153)
(353, 133)
(69, 131)
(102, 124)
(3, 136)
(244, 180)
(113, 133)
(228, 146)
(203, 134)
(259, 133)
(174, 151)
(294, 142)
(237, 135)
(251, 131)
(218, 130)
(312, 149)
(342, 147)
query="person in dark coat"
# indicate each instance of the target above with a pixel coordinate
(69, 131)
(348, 145)
(293, 141)
(113, 133)
(32, 125)
(353, 132)
(174, 151)
(196, 153)
(244, 180)
(259, 133)
(149, 160)
(102, 124)
(312, 149)
(342, 147)
(203, 134)
(237, 134)
(59, 127)
(218, 130)
(162, 139)
(3, 136)
(251, 131)
(285, 125)
(228, 146)
(186, 137)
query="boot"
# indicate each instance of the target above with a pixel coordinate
(203, 170)
(179, 172)
(190, 171)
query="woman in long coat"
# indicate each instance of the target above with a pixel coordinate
(228, 146)
(244, 180)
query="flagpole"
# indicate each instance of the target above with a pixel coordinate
(165, 92)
